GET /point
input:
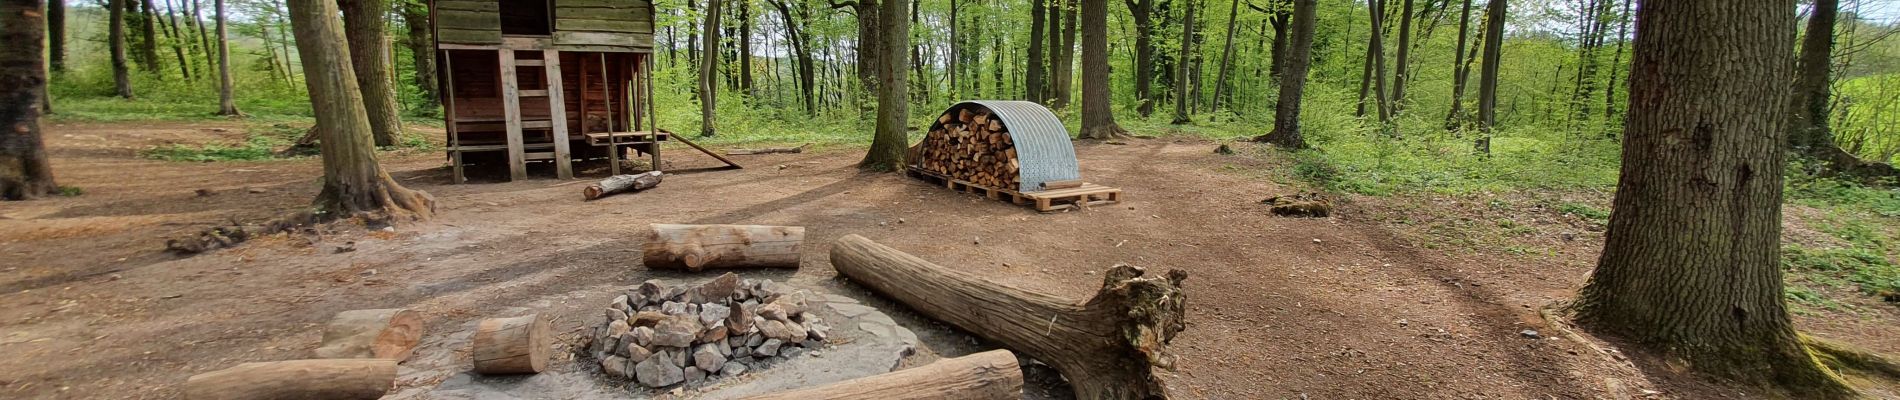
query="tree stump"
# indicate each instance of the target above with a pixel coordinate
(622, 183)
(516, 345)
(697, 247)
(990, 375)
(390, 333)
(296, 379)
(1107, 346)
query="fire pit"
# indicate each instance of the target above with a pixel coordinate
(661, 336)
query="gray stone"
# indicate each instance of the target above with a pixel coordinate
(654, 372)
(739, 319)
(768, 348)
(735, 341)
(676, 332)
(733, 368)
(817, 331)
(636, 353)
(790, 351)
(714, 333)
(774, 312)
(850, 310)
(719, 288)
(1530, 334)
(792, 302)
(766, 289)
(741, 351)
(754, 339)
(812, 344)
(673, 308)
(695, 375)
(708, 357)
(622, 303)
(773, 329)
(680, 357)
(713, 312)
(619, 346)
(832, 298)
(642, 336)
(635, 300)
(615, 314)
(692, 309)
(651, 289)
(615, 366)
(795, 332)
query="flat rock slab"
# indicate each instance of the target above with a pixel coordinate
(864, 342)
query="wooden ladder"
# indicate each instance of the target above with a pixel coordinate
(556, 123)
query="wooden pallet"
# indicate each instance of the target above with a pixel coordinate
(1087, 195)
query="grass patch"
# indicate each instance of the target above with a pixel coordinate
(1585, 211)
(1869, 271)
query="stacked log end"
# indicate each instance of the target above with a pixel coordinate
(971, 144)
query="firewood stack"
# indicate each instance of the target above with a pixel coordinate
(971, 144)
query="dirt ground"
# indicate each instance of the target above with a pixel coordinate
(1354, 306)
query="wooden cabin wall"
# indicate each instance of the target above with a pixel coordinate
(478, 105)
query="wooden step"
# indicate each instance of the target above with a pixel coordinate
(532, 93)
(528, 63)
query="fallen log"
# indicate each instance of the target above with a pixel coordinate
(516, 345)
(990, 375)
(1107, 346)
(622, 183)
(1065, 184)
(768, 150)
(390, 333)
(697, 247)
(296, 379)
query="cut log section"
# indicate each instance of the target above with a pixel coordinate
(990, 375)
(970, 144)
(516, 345)
(697, 247)
(1065, 184)
(768, 150)
(622, 183)
(296, 379)
(1107, 346)
(390, 333)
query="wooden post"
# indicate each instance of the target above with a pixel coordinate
(296, 379)
(516, 345)
(557, 114)
(1108, 345)
(390, 333)
(990, 375)
(697, 247)
(511, 109)
(653, 112)
(448, 109)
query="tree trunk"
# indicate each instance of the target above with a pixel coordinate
(1182, 64)
(1691, 262)
(1461, 71)
(800, 50)
(1221, 84)
(1286, 114)
(1062, 83)
(297, 379)
(1377, 54)
(1616, 65)
(56, 34)
(390, 333)
(893, 105)
(1098, 118)
(990, 375)
(1107, 346)
(204, 38)
(415, 17)
(1142, 11)
(353, 183)
(745, 48)
(1034, 78)
(1808, 130)
(1277, 54)
(148, 27)
(1488, 75)
(517, 345)
(25, 172)
(1403, 58)
(698, 247)
(709, 71)
(176, 39)
(115, 38)
(364, 22)
(227, 98)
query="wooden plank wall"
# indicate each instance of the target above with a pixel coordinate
(478, 93)
(468, 21)
(618, 23)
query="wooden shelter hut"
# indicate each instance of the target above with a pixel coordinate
(546, 80)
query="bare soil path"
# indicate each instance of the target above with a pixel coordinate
(1344, 307)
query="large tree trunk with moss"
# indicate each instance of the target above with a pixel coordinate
(1299, 60)
(421, 41)
(893, 107)
(709, 71)
(24, 170)
(1691, 262)
(115, 43)
(1098, 114)
(227, 97)
(364, 22)
(353, 183)
(1108, 346)
(148, 29)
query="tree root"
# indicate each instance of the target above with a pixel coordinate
(230, 235)
(1840, 355)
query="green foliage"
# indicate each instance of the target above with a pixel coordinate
(71, 191)
(1585, 211)
(1871, 272)
(259, 144)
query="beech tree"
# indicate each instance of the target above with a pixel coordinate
(709, 71)
(1488, 75)
(1098, 117)
(353, 182)
(115, 43)
(1182, 66)
(56, 34)
(893, 100)
(1142, 11)
(1299, 59)
(24, 171)
(1691, 263)
(1033, 78)
(364, 23)
(227, 98)
(421, 41)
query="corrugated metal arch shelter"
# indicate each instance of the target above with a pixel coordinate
(1042, 143)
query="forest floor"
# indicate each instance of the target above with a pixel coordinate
(1410, 296)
